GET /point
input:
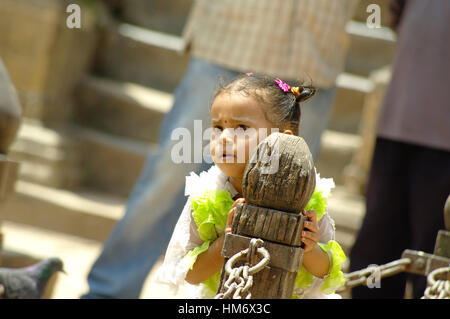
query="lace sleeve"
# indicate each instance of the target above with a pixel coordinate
(184, 238)
(326, 229)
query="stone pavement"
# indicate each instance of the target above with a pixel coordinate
(78, 255)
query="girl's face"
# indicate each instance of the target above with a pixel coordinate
(238, 126)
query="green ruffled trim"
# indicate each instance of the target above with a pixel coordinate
(304, 279)
(210, 212)
(335, 279)
(318, 203)
(193, 254)
(212, 285)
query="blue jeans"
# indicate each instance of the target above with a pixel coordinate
(157, 199)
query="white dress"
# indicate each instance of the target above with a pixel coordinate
(185, 237)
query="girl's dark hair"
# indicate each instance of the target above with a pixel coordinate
(281, 108)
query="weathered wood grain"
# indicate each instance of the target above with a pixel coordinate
(284, 257)
(280, 174)
(268, 224)
(278, 182)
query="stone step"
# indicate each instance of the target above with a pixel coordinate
(336, 153)
(161, 15)
(171, 16)
(152, 58)
(370, 49)
(149, 58)
(348, 102)
(348, 211)
(103, 156)
(121, 108)
(78, 157)
(46, 156)
(134, 54)
(110, 163)
(92, 215)
(100, 157)
(134, 111)
(88, 214)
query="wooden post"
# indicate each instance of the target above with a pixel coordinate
(442, 245)
(278, 182)
(10, 114)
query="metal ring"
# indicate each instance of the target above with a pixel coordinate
(233, 259)
(431, 276)
(262, 263)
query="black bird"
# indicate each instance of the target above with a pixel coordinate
(28, 282)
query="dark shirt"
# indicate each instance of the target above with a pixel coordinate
(416, 107)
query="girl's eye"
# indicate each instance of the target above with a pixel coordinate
(243, 127)
(218, 127)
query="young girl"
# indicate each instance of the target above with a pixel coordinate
(240, 111)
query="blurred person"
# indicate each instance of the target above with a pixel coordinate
(410, 175)
(291, 39)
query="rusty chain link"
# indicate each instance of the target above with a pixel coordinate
(360, 277)
(438, 288)
(240, 279)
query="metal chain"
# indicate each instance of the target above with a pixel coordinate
(360, 277)
(240, 279)
(438, 288)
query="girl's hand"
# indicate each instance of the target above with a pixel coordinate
(310, 238)
(231, 214)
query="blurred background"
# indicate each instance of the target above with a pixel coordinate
(92, 100)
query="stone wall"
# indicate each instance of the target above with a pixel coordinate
(43, 56)
(46, 60)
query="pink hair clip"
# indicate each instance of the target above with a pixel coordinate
(284, 86)
(249, 74)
